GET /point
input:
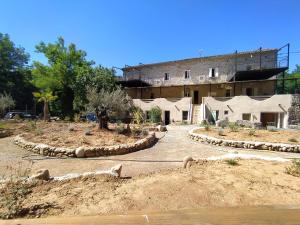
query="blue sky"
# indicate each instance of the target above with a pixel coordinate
(115, 33)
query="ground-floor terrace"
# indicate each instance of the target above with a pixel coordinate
(255, 101)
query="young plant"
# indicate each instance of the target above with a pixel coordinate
(293, 140)
(138, 115)
(232, 162)
(251, 132)
(155, 114)
(233, 127)
(294, 169)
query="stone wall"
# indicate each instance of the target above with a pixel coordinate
(244, 144)
(81, 152)
(294, 111)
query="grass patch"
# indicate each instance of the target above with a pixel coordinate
(232, 162)
(294, 169)
(293, 140)
(233, 127)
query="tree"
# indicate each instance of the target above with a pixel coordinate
(292, 85)
(6, 101)
(98, 77)
(15, 73)
(105, 103)
(65, 65)
(45, 97)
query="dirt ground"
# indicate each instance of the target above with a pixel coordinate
(280, 136)
(204, 184)
(62, 134)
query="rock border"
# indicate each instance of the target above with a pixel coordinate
(85, 152)
(281, 147)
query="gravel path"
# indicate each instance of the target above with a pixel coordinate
(168, 152)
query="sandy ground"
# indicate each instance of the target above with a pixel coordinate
(168, 152)
(204, 184)
(280, 136)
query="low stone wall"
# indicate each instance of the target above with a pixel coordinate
(82, 152)
(243, 144)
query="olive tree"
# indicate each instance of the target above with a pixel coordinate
(105, 103)
(6, 101)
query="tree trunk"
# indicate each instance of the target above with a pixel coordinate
(46, 111)
(103, 123)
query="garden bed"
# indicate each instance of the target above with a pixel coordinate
(244, 134)
(81, 139)
(248, 139)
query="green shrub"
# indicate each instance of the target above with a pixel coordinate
(233, 127)
(138, 115)
(232, 162)
(293, 140)
(251, 132)
(155, 114)
(294, 169)
(136, 131)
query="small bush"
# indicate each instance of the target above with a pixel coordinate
(155, 114)
(251, 132)
(77, 118)
(293, 140)
(294, 169)
(233, 127)
(136, 131)
(120, 128)
(138, 115)
(232, 162)
(221, 132)
(145, 132)
(38, 131)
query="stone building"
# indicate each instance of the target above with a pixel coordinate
(238, 86)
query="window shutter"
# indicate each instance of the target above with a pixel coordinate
(210, 72)
(217, 72)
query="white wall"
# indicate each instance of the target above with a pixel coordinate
(175, 106)
(238, 105)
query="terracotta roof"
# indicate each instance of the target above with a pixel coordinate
(203, 58)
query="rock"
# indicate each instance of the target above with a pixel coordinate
(186, 160)
(42, 174)
(222, 123)
(117, 170)
(161, 128)
(79, 152)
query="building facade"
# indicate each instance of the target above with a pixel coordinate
(204, 88)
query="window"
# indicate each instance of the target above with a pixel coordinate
(184, 115)
(213, 72)
(227, 94)
(152, 96)
(226, 112)
(246, 116)
(167, 76)
(249, 91)
(187, 74)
